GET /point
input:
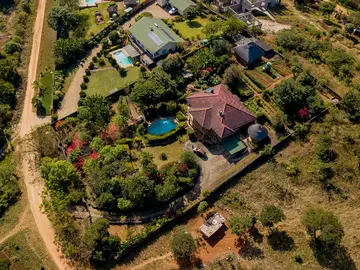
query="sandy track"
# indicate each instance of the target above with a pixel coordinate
(70, 103)
(29, 118)
(145, 263)
(22, 224)
(28, 121)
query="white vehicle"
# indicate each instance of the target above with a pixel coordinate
(173, 11)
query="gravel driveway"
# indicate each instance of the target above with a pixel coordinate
(154, 9)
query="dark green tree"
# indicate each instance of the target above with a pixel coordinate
(173, 65)
(7, 93)
(100, 243)
(270, 215)
(183, 246)
(351, 105)
(240, 224)
(323, 227)
(63, 20)
(327, 7)
(191, 13)
(221, 47)
(233, 26)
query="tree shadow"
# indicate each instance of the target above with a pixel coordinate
(256, 235)
(281, 241)
(194, 24)
(337, 258)
(250, 251)
(279, 9)
(220, 234)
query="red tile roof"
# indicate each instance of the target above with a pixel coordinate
(220, 111)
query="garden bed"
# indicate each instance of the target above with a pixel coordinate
(261, 79)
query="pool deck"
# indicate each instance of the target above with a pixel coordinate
(121, 65)
(83, 3)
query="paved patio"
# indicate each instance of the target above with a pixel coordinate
(214, 165)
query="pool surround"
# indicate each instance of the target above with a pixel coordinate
(117, 61)
(162, 126)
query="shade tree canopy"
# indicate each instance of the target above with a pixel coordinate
(323, 227)
(63, 20)
(270, 215)
(183, 246)
(153, 88)
(240, 224)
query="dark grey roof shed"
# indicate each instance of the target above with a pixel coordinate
(264, 46)
(257, 132)
(248, 53)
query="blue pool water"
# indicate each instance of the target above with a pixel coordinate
(91, 2)
(122, 58)
(162, 126)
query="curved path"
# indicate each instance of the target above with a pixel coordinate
(22, 224)
(139, 266)
(28, 121)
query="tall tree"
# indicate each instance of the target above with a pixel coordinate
(271, 215)
(62, 20)
(233, 26)
(327, 7)
(323, 227)
(183, 246)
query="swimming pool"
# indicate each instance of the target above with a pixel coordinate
(162, 126)
(91, 2)
(122, 58)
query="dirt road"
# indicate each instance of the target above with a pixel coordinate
(28, 121)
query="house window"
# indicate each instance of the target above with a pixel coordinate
(164, 51)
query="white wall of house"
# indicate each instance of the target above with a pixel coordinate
(169, 48)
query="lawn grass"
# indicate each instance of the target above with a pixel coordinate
(26, 251)
(47, 82)
(173, 151)
(103, 81)
(189, 29)
(48, 38)
(90, 25)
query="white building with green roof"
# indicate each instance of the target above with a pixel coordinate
(182, 5)
(154, 37)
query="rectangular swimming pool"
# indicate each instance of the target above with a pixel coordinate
(122, 58)
(91, 2)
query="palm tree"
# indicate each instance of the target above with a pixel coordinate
(39, 87)
(37, 102)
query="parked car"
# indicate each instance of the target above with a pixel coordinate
(173, 11)
(199, 151)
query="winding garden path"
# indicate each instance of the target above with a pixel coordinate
(72, 96)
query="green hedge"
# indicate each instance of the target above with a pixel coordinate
(180, 116)
(151, 139)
